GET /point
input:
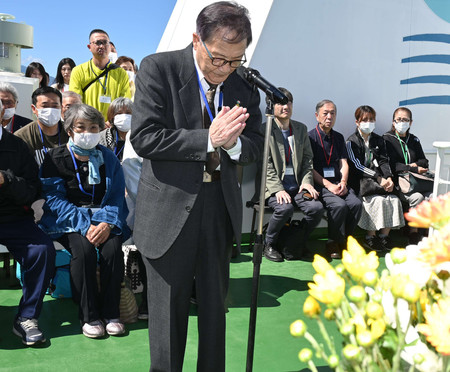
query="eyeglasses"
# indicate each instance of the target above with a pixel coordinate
(402, 120)
(219, 62)
(100, 42)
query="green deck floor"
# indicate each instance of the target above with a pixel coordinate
(283, 288)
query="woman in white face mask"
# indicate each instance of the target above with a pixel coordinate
(119, 117)
(406, 155)
(128, 65)
(85, 211)
(371, 176)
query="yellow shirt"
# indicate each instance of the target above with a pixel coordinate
(104, 90)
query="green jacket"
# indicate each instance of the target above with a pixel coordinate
(302, 157)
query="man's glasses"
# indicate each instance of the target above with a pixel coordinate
(219, 62)
(100, 42)
(402, 120)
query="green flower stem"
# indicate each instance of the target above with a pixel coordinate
(401, 337)
(378, 357)
(412, 368)
(326, 336)
(446, 363)
(312, 366)
(319, 350)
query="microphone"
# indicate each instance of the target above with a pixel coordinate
(255, 78)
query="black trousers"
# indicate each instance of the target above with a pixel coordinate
(95, 304)
(343, 214)
(312, 209)
(34, 250)
(201, 251)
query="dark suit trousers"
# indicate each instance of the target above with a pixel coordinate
(34, 250)
(201, 250)
(312, 209)
(343, 214)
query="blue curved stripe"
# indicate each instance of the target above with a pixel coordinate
(431, 79)
(438, 100)
(433, 58)
(440, 38)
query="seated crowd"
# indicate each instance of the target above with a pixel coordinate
(77, 157)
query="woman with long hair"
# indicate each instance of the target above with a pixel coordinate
(63, 73)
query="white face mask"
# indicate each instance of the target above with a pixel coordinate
(122, 122)
(49, 116)
(86, 140)
(402, 127)
(367, 127)
(131, 75)
(112, 57)
(9, 113)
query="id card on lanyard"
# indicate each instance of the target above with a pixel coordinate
(328, 172)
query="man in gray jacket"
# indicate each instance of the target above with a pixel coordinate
(289, 179)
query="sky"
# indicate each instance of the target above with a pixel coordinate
(61, 29)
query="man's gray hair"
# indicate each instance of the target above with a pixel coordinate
(9, 88)
(69, 93)
(323, 103)
(85, 112)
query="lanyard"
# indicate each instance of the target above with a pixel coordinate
(327, 159)
(117, 153)
(404, 150)
(202, 92)
(288, 155)
(77, 172)
(106, 76)
(42, 138)
(12, 124)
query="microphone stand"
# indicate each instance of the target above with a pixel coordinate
(259, 241)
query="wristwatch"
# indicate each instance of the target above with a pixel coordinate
(111, 226)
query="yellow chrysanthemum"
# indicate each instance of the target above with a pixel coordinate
(327, 288)
(311, 307)
(377, 327)
(357, 261)
(435, 250)
(437, 326)
(321, 265)
(434, 213)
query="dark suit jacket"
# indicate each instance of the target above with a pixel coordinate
(20, 122)
(302, 157)
(167, 131)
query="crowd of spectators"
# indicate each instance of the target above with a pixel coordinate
(86, 208)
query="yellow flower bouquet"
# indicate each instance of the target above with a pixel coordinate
(398, 320)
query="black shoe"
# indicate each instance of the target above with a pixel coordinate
(334, 251)
(414, 238)
(143, 311)
(385, 243)
(373, 244)
(272, 254)
(28, 330)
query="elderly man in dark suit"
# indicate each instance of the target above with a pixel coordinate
(195, 120)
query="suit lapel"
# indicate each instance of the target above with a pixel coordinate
(189, 92)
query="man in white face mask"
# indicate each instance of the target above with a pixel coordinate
(10, 98)
(46, 132)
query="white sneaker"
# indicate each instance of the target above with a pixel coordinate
(114, 327)
(93, 329)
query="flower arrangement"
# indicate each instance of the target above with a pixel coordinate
(398, 320)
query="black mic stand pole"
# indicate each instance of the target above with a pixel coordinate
(259, 241)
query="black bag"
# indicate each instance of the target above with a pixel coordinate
(414, 182)
(291, 241)
(112, 66)
(370, 186)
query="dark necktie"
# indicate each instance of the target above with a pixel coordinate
(212, 158)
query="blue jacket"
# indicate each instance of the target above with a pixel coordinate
(61, 216)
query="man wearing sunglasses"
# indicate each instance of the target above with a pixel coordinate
(98, 81)
(195, 121)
